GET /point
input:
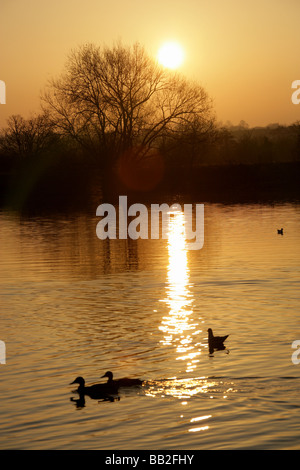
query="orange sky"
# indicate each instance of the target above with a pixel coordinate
(245, 53)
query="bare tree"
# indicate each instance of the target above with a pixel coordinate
(26, 137)
(111, 99)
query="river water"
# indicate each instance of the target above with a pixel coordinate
(74, 305)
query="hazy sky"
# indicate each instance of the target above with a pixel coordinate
(246, 53)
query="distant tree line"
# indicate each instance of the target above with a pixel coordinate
(273, 143)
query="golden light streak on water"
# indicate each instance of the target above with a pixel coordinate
(201, 428)
(179, 327)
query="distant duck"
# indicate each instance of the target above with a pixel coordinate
(215, 342)
(96, 390)
(280, 231)
(124, 382)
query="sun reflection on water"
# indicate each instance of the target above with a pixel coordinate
(181, 388)
(180, 328)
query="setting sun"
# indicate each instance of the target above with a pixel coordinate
(171, 55)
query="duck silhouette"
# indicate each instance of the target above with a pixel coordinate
(124, 382)
(280, 231)
(215, 342)
(95, 391)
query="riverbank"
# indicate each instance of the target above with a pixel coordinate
(84, 188)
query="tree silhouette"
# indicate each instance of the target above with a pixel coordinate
(110, 100)
(27, 137)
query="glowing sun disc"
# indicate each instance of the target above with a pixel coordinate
(171, 55)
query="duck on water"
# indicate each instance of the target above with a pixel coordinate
(124, 382)
(96, 390)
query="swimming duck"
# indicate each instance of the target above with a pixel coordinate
(280, 231)
(96, 390)
(215, 342)
(124, 382)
